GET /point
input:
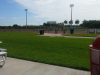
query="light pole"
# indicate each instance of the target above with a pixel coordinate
(26, 16)
(71, 6)
(71, 21)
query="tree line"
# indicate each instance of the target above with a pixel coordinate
(16, 26)
(84, 24)
(91, 24)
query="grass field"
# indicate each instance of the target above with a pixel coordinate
(68, 52)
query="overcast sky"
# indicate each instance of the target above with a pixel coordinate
(40, 11)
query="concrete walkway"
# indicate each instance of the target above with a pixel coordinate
(22, 67)
(60, 35)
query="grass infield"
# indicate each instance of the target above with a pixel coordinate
(67, 52)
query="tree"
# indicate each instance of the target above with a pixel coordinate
(70, 22)
(91, 24)
(65, 22)
(16, 26)
(44, 24)
(77, 22)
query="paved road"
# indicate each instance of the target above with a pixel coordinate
(22, 67)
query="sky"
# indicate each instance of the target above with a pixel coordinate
(40, 11)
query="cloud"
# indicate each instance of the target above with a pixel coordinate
(59, 10)
(46, 9)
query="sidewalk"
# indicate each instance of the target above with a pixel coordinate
(22, 67)
(60, 35)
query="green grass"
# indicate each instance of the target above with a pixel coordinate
(68, 52)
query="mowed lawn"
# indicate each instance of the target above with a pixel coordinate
(68, 52)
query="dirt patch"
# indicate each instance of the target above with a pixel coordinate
(52, 34)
